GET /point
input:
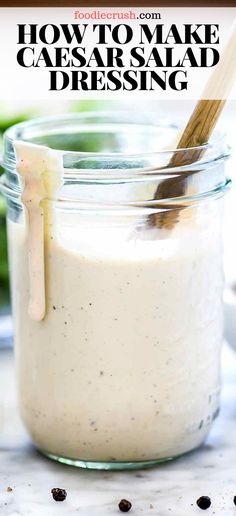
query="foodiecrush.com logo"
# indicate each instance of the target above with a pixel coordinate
(115, 15)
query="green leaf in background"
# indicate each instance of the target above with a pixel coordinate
(6, 120)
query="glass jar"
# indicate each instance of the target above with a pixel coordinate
(123, 368)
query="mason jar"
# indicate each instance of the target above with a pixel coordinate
(121, 368)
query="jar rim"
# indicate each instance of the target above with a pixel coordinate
(98, 168)
(16, 131)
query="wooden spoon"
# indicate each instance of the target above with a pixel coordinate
(198, 131)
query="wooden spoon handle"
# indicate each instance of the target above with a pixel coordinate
(199, 127)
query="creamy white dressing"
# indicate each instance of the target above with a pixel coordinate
(124, 365)
(41, 171)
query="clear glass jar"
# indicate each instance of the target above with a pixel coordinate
(123, 371)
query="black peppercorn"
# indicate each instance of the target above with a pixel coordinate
(58, 494)
(125, 505)
(204, 502)
(234, 500)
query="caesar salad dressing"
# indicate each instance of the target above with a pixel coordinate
(125, 364)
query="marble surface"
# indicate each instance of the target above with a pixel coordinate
(169, 489)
